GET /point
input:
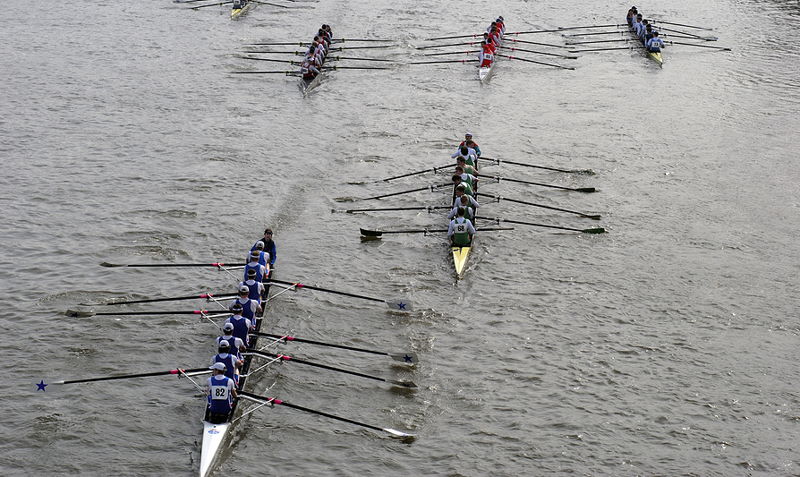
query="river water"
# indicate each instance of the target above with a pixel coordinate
(667, 346)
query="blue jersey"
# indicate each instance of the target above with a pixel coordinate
(241, 326)
(235, 343)
(269, 247)
(255, 289)
(230, 364)
(654, 44)
(220, 396)
(249, 307)
(260, 270)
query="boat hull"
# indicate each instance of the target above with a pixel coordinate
(460, 257)
(237, 13)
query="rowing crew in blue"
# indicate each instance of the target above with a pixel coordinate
(643, 29)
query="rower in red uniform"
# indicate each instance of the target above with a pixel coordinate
(501, 25)
(490, 41)
(486, 55)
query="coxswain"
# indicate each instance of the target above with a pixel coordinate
(221, 393)
(654, 44)
(470, 144)
(249, 306)
(269, 246)
(631, 15)
(458, 182)
(463, 202)
(241, 325)
(236, 344)
(460, 192)
(256, 287)
(486, 56)
(469, 155)
(238, 4)
(231, 361)
(253, 264)
(460, 230)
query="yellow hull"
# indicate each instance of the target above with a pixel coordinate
(460, 256)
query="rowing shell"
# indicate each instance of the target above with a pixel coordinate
(240, 12)
(216, 435)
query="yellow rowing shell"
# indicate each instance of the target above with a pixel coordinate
(460, 256)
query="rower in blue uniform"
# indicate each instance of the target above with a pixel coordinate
(221, 392)
(241, 325)
(230, 361)
(261, 270)
(249, 306)
(654, 44)
(236, 345)
(256, 287)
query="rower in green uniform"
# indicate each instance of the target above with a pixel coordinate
(463, 202)
(459, 182)
(461, 230)
(460, 161)
(465, 177)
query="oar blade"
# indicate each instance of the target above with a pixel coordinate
(586, 189)
(400, 305)
(399, 434)
(408, 358)
(107, 264)
(594, 230)
(371, 233)
(78, 314)
(402, 383)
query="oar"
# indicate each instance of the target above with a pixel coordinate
(428, 208)
(378, 233)
(85, 314)
(580, 214)
(431, 188)
(624, 40)
(519, 181)
(537, 62)
(129, 376)
(433, 169)
(699, 46)
(410, 358)
(571, 171)
(359, 59)
(681, 24)
(290, 359)
(287, 73)
(615, 32)
(206, 296)
(444, 46)
(443, 61)
(270, 59)
(600, 49)
(167, 265)
(591, 26)
(355, 68)
(692, 35)
(344, 40)
(278, 402)
(515, 40)
(210, 5)
(593, 230)
(538, 52)
(399, 305)
(452, 53)
(474, 35)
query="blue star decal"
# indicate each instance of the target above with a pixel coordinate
(408, 359)
(401, 306)
(41, 386)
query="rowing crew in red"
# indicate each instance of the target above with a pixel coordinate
(491, 41)
(316, 53)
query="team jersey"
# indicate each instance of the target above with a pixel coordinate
(241, 327)
(460, 230)
(654, 44)
(236, 344)
(249, 307)
(230, 365)
(220, 394)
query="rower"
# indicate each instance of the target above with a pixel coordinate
(263, 257)
(460, 230)
(221, 392)
(637, 23)
(241, 325)
(458, 182)
(236, 344)
(249, 306)
(469, 155)
(321, 50)
(648, 33)
(231, 362)
(256, 287)
(490, 41)
(486, 56)
(643, 29)
(501, 24)
(654, 44)
(269, 246)
(467, 178)
(253, 264)
(460, 161)
(463, 202)
(470, 144)
(308, 67)
(461, 192)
